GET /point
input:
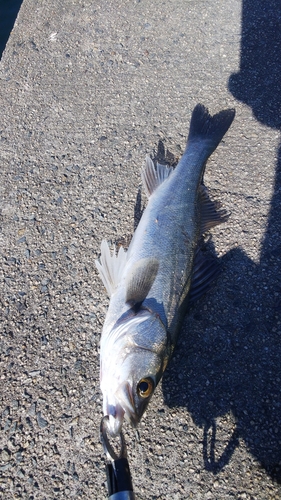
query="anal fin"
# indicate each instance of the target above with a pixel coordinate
(211, 213)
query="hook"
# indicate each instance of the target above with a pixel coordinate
(109, 451)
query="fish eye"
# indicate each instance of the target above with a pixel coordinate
(145, 387)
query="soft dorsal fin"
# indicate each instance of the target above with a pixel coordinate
(211, 215)
(111, 267)
(152, 177)
(140, 279)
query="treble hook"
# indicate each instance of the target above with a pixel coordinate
(119, 481)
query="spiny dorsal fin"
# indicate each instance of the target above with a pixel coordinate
(152, 177)
(140, 279)
(111, 267)
(211, 215)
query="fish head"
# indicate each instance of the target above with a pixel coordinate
(131, 373)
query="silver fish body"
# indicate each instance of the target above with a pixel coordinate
(150, 283)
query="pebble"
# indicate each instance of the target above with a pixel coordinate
(32, 410)
(41, 421)
(5, 455)
(5, 467)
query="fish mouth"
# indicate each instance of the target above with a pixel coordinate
(123, 409)
(126, 399)
(115, 419)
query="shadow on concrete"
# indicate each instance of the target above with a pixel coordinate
(9, 10)
(258, 82)
(228, 359)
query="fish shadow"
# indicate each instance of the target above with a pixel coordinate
(228, 355)
(228, 361)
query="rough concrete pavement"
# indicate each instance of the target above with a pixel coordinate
(87, 90)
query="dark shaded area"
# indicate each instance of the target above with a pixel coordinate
(228, 357)
(164, 156)
(8, 13)
(209, 451)
(138, 210)
(230, 361)
(258, 83)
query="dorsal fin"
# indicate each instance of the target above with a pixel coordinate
(140, 279)
(111, 267)
(152, 177)
(211, 215)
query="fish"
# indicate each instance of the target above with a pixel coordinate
(150, 284)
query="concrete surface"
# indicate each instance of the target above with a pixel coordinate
(87, 89)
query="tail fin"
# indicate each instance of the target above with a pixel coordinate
(209, 128)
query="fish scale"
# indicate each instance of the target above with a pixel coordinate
(149, 286)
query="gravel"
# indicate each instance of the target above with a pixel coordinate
(87, 90)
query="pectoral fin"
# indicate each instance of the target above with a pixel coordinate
(140, 279)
